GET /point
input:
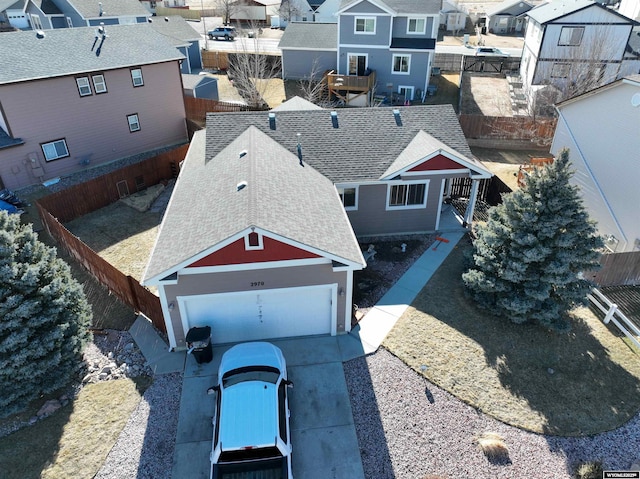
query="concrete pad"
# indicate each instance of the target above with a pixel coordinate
(374, 327)
(154, 348)
(185, 463)
(350, 345)
(196, 410)
(192, 368)
(309, 350)
(336, 453)
(319, 397)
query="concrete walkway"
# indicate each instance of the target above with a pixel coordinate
(155, 349)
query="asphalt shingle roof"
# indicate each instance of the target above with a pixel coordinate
(366, 142)
(556, 9)
(175, 27)
(4, 4)
(69, 51)
(404, 7)
(309, 35)
(281, 197)
(110, 8)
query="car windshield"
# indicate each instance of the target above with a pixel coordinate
(255, 373)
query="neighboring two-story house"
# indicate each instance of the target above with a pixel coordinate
(507, 17)
(601, 129)
(48, 14)
(572, 46)
(382, 48)
(84, 98)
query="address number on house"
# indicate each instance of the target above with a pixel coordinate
(255, 284)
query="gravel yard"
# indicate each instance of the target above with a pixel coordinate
(409, 428)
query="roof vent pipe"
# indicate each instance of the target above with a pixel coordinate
(272, 121)
(39, 34)
(334, 119)
(101, 11)
(243, 153)
(396, 115)
(299, 148)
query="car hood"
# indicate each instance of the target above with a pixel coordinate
(252, 354)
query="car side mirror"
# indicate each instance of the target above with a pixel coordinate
(288, 383)
(213, 390)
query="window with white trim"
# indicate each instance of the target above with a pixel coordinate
(365, 25)
(416, 25)
(406, 92)
(134, 122)
(407, 195)
(349, 197)
(99, 85)
(571, 36)
(560, 70)
(401, 64)
(253, 241)
(136, 77)
(54, 150)
(84, 88)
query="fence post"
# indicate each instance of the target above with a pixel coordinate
(610, 313)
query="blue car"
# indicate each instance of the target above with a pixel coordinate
(8, 207)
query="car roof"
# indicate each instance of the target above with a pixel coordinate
(252, 354)
(249, 416)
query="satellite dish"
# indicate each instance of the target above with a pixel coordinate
(635, 100)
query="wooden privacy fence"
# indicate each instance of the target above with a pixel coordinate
(78, 200)
(215, 60)
(81, 199)
(617, 269)
(614, 315)
(185, 13)
(536, 130)
(197, 108)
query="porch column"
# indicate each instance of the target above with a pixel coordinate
(468, 214)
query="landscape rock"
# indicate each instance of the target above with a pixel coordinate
(49, 408)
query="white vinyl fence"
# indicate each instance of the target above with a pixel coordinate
(613, 314)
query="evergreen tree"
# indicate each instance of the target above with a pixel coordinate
(44, 317)
(529, 255)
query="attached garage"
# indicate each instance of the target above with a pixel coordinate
(264, 314)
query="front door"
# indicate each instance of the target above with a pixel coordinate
(357, 64)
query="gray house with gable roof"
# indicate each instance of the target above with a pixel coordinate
(84, 99)
(382, 47)
(183, 37)
(47, 14)
(259, 239)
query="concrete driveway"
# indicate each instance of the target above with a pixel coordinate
(323, 435)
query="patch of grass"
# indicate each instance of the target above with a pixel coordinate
(580, 383)
(589, 470)
(120, 234)
(75, 440)
(493, 447)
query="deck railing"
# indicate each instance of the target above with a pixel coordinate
(351, 82)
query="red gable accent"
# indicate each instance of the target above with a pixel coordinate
(438, 162)
(236, 253)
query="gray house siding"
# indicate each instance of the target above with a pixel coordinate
(298, 64)
(95, 127)
(400, 28)
(193, 54)
(418, 70)
(365, 7)
(372, 218)
(270, 278)
(347, 35)
(185, 65)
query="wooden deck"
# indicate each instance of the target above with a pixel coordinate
(350, 88)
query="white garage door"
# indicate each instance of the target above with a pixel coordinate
(254, 315)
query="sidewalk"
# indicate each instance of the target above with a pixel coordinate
(374, 327)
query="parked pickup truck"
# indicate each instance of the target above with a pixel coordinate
(251, 434)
